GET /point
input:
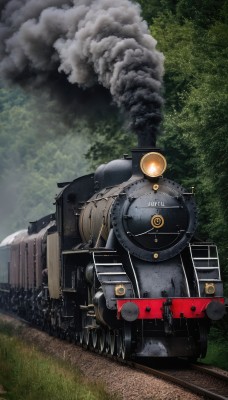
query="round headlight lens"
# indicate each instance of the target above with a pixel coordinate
(153, 164)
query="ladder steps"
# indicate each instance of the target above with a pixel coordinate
(205, 263)
(215, 268)
(112, 273)
(203, 245)
(210, 280)
(204, 258)
(109, 264)
(104, 252)
(114, 282)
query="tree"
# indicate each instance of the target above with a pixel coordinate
(109, 141)
(37, 150)
(195, 126)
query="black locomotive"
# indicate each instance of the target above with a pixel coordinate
(117, 267)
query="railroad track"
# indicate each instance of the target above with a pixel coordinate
(197, 378)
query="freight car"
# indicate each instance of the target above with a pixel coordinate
(117, 268)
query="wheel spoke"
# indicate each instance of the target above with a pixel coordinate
(101, 340)
(203, 331)
(94, 339)
(107, 342)
(76, 337)
(86, 337)
(113, 343)
(127, 338)
(81, 337)
(119, 344)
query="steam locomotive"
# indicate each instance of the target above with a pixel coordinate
(117, 268)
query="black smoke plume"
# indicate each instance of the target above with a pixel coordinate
(95, 43)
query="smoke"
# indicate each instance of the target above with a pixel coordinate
(94, 43)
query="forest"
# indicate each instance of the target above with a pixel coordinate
(40, 145)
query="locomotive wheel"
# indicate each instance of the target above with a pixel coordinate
(113, 343)
(94, 338)
(101, 341)
(81, 334)
(76, 337)
(44, 325)
(58, 332)
(86, 338)
(107, 342)
(62, 334)
(50, 329)
(119, 345)
(124, 342)
(203, 332)
(126, 347)
(57, 326)
(69, 336)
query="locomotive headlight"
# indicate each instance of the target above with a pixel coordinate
(153, 164)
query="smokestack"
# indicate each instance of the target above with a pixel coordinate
(102, 42)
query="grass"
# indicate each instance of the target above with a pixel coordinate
(217, 353)
(27, 374)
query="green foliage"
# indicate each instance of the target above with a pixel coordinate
(153, 8)
(37, 150)
(217, 353)
(176, 41)
(109, 141)
(150, 9)
(202, 12)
